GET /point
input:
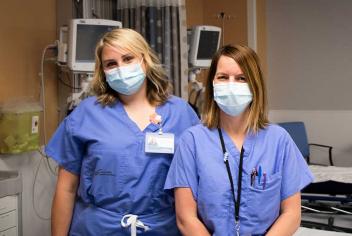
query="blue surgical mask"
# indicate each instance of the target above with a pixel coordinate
(232, 98)
(126, 80)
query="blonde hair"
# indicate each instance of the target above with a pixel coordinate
(158, 86)
(248, 61)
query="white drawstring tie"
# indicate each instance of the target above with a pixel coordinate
(134, 223)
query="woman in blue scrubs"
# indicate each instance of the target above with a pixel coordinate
(114, 149)
(237, 174)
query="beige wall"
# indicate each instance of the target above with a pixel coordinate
(261, 35)
(235, 20)
(207, 11)
(26, 27)
(194, 12)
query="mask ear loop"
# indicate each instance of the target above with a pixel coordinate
(140, 63)
(150, 80)
(145, 66)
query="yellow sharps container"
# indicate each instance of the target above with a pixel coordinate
(19, 127)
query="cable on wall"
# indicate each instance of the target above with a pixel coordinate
(42, 82)
(42, 101)
(43, 104)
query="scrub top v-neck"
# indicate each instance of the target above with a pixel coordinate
(117, 177)
(151, 127)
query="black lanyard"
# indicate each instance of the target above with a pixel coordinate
(239, 184)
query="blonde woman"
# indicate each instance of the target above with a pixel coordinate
(114, 149)
(236, 174)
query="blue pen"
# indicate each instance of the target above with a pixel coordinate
(259, 174)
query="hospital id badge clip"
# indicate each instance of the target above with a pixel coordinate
(159, 142)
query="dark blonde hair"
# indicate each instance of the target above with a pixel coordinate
(158, 86)
(248, 61)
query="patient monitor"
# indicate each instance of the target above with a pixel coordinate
(82, 39)
(204, 41)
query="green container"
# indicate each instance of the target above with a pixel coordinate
(19, 128)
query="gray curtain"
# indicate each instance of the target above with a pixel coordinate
(161, 22)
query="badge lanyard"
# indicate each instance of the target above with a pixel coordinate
(239, 189)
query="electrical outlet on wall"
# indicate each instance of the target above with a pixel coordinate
(35, 124)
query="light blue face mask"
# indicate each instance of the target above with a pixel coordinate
(126, 80)
(232, 98)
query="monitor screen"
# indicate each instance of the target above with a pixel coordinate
(84, 35)
(208, 44)
(204, 41)
(87, 38)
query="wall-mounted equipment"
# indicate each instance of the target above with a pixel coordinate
(19, 127)
(83, 37)
(62, 45)
(204, 41)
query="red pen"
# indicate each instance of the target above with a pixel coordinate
(264, 180)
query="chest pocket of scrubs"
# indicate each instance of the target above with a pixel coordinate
(264, 202)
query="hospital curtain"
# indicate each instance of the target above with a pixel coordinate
(101, 9)
(161, 22)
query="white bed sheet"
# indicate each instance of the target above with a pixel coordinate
(302, 231)
(335, 173)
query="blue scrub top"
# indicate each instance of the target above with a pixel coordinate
(105, 148)
(198, 164)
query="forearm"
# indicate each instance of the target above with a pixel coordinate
(285, 225)
(186, 214)
(63, 202)
(192, 226)
(61, 213)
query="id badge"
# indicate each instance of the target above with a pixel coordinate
(159, 143)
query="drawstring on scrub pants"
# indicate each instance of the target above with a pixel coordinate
(134, 223)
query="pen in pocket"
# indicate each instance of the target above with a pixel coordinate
(253, 175)
(259, 174)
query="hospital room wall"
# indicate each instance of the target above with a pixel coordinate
(309, 70)
(25, 30)
(26, 27)
(207, 12)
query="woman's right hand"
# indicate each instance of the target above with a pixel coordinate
(186, 214)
